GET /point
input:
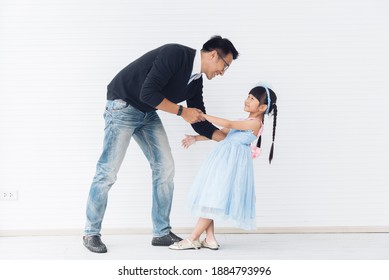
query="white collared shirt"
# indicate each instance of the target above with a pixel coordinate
(196, 71)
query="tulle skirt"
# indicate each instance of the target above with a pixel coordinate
(224, 186)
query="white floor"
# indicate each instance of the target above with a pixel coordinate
(344, 246)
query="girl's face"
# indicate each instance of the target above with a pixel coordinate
(251, 104)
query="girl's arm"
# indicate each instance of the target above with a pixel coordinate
(240, 125)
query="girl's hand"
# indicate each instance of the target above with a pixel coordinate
(188, 141)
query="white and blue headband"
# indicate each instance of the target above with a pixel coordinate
(268, 96)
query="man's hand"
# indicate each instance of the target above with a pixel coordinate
(192, 115)
(189, 140)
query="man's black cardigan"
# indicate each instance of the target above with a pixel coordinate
(161, 73)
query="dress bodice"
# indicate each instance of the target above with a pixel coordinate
(240, 136)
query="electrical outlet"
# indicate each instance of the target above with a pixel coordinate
(8, 195)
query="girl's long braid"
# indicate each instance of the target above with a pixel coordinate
(274, 131)
(260, 93)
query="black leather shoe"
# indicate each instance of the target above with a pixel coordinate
(166, 240)
(94, 244)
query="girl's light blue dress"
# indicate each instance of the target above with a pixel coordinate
(224, 186)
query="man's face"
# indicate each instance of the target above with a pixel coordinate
(215, 64)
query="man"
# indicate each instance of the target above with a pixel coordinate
(158, 80)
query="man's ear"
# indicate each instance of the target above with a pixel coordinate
(212, 54)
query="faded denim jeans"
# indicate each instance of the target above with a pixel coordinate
(123, 122)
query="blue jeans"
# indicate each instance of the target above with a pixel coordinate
(121, 123)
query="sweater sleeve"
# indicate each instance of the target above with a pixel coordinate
(204, 128)
(164, 67)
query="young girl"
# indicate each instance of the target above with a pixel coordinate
(224, 186)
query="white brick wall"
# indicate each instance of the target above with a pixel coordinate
(326, 60)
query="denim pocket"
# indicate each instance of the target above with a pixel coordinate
(118, 104)
(113, 107)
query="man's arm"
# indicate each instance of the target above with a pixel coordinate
(191, 115)
(165, 66)
(218, 135)
(204, 128)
